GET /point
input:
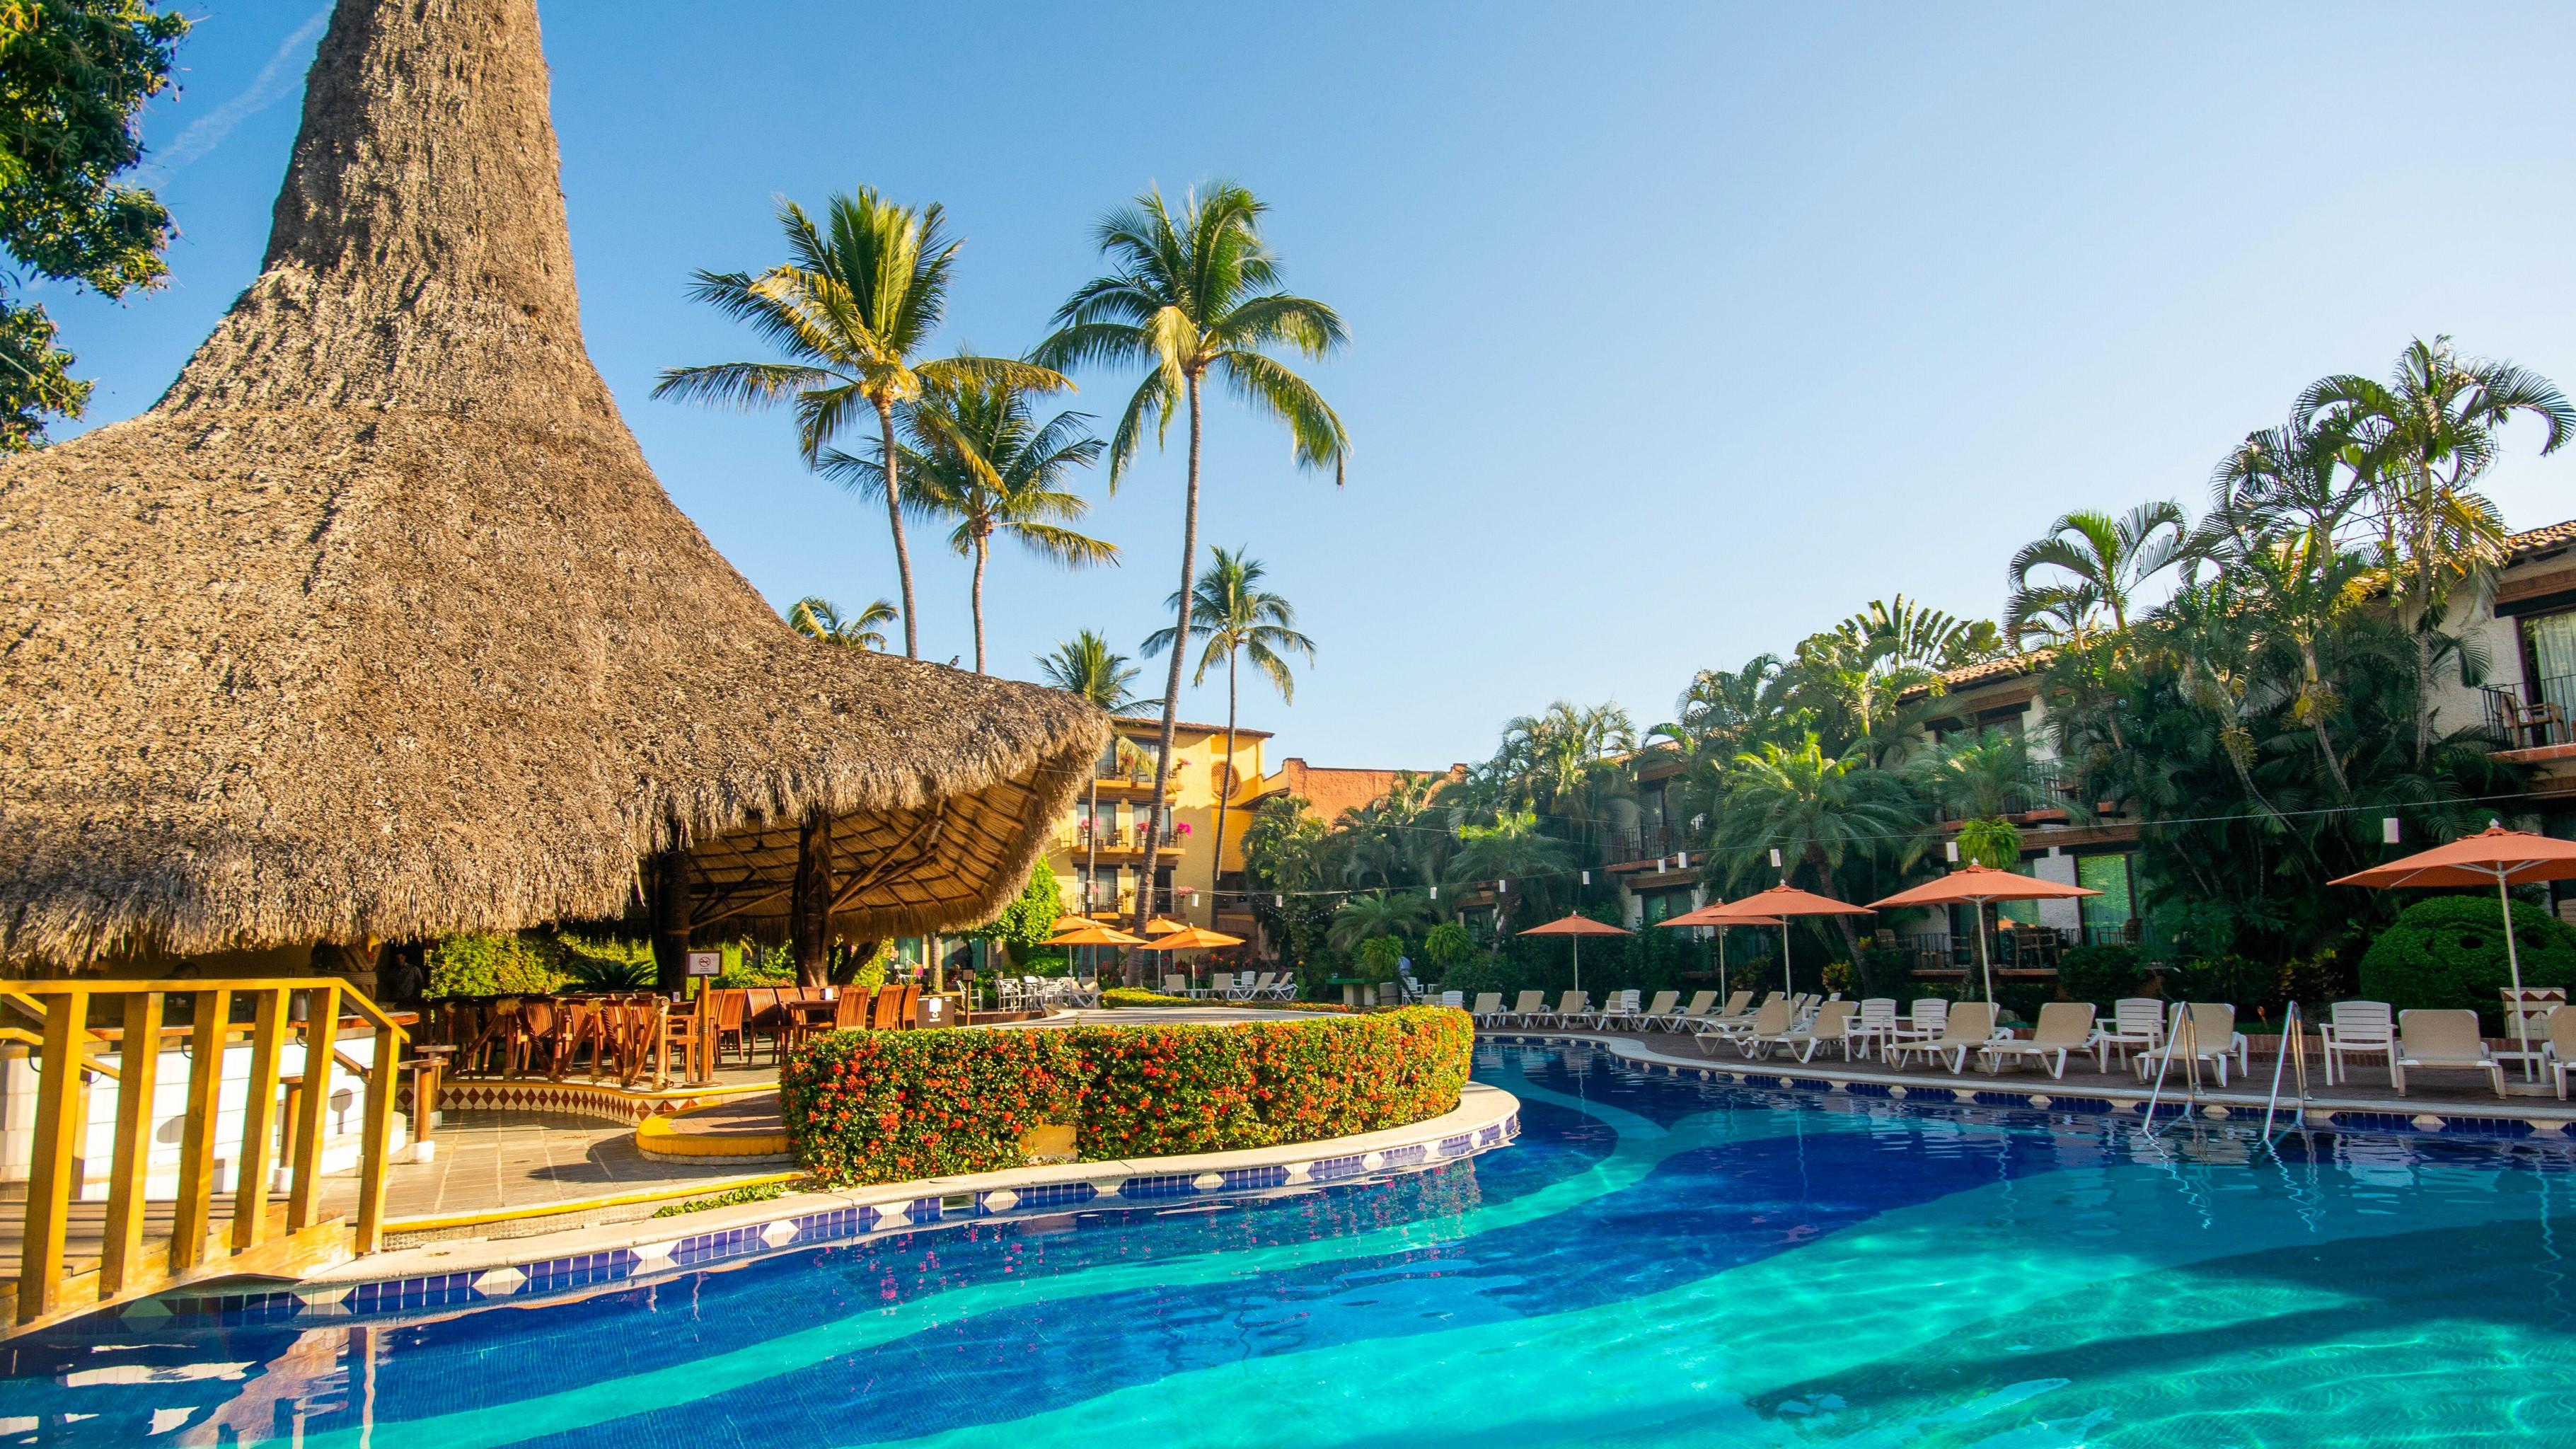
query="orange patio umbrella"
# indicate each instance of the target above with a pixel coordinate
(1974, 884)
(1093, 934)
(1191, 938)
(1781, 901)
(2506, 857)
(1577, 927)
(1165, 925)
(1701, 917)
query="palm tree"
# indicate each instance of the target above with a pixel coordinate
(1513, 848)
(1377, 913)
(2109, 557)
(1818, 810)
(820, 619)
(979, 455)
(1241, 620)
(1193, 294)
(2428, 434)
(1086, 666)
(852, 308)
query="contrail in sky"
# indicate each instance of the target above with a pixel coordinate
(208, 131)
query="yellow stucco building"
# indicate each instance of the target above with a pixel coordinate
(1098, 854)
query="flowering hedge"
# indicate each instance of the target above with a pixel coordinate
(890, 1106)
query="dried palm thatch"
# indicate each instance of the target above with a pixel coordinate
(377, 624)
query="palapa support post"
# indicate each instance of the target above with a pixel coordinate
(810, 909)
(670, 906)
(138, 1063)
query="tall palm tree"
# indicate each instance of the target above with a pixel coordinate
(852, 308)
(1086, 666)
(980, 456)
(1242, 621)
(1193, 293)
(2430, 431)
(2109, 558)
(820, 619)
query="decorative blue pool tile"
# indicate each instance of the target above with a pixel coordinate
(1809, 1084)
(2079, 1104)
(2486, 1126)
(1866, 1089)
(1057, 1195)
(1245, 1179)
(580, 1270)
(2002, 1099)
(1326, 1169)
(1457, 1146)
(2376, 1121)
(1404, 1156)
(1161, 1184)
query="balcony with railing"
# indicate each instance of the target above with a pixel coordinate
(2539, 717)
(1640, 846)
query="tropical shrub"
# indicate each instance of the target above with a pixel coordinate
(1029, 918)
(1139, 996)
(1377, 958)
(606, 965)
(481, 963)
(1886, 971)
(2101, 974)
(2449, 952)
(750, 964)
(874, 1107)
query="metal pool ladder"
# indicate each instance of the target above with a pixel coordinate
(2176, 1031)
(2294, 1042)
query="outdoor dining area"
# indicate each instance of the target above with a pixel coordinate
(643, 1039)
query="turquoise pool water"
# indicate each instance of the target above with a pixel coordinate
(1658, 1261)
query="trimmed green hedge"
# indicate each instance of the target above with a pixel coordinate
(890, 1106)
(2449, 952)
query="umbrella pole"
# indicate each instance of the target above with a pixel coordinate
(1721, 965)
(2513, 964)
(1577, 942)
(1788, 983)
(1985, 961)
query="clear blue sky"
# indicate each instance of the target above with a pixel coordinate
(1679, 332)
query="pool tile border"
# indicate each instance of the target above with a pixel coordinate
(1486, 1118)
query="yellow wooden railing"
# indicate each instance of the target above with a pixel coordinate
(53, 1019)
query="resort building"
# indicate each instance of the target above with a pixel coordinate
(1098, 850)
(2526, 629)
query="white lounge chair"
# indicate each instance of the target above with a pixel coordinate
(1571, 1009)
(2064, 1026)
(1739, 1015)
(1965, 1028)
(1769, 1024)
(1528, 1008)
(1488, 1010)
(2137, 1025)
(2558, 1049)
(1702, 1003)
(2443, 1040)
(1656, 1010)
(2359, 1028)
(2206, 1031)
(1832, 1022)
(1175, 984)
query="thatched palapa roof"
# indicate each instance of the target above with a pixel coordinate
(378, 623)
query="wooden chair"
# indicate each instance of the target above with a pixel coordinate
(850, 1012)
(886, 1014)
(908, 1015)
(726, 1007)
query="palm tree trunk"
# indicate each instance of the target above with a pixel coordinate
(2317, 718)
(980, 554)
(894, 520)
(1216, 866)
(1180, 647)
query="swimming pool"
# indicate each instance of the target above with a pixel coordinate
(1660, 1260)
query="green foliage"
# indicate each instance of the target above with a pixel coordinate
(484, 964)
(1117, 996)
(875, 1107)
(1991, 841)
(751, 964)
(2449, 951)
(1886, 971)
(74, 75)
(2101, 974)
(1448, 946)
(756, 1192)
(1029, 919)
(1377, 958)
(1045, 961)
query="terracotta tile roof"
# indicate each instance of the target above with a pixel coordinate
(2534, 540)
(1328, 792)
(1153, 725)
(2011, 666)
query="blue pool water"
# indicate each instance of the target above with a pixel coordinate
(1657, 1261)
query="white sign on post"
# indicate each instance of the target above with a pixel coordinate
(706, 963)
